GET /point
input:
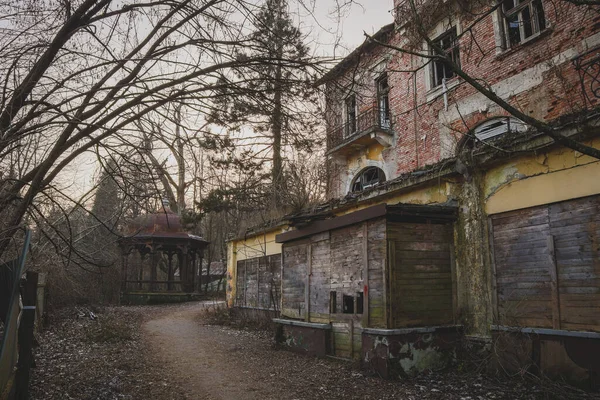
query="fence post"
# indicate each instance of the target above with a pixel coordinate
(26, 336)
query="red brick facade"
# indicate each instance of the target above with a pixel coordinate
(537, 76)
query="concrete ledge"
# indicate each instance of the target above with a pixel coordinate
(407, 331)
(546, 332)
(393, 353)
(558, 354)
(302, 324)
(303, 337)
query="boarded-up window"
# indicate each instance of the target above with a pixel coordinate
(420, 276)
(547, 262)
(295, 259)
(259, 282)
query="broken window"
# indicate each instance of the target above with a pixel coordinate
(360, 298)
(498, 126)
(521, 19)
(368, 178)
(332, 302)
(440, 70)
(348, 304)
(383, 102)
(350, 115)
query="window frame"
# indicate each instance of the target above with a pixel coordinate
(384, 119)
(380, 175)
(454, 49)
(495, 127)
(350, 125)
(517, 10)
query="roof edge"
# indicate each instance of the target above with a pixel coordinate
(351, 58)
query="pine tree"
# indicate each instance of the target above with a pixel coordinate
(277, 97)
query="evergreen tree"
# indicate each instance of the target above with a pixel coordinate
(278, 97)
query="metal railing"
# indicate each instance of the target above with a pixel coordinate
(587, 66)
(371, 119)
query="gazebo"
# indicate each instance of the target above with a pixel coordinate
(160, 261)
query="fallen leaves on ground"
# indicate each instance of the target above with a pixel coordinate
(109, 358)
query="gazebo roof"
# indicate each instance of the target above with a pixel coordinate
(161, 226)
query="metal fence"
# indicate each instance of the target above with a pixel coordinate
(373, 118)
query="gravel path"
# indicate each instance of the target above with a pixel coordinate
(170, 352)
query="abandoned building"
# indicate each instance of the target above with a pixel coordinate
(160, 261)
(451, 222)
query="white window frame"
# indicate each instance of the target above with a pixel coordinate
(442, 27)
(347, 99)
(502, 29)
(498, 126)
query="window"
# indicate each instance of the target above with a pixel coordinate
(332, 302)
(521, 19)
(440, 70)
(383, 102)
(368, 178)
(348, 303)
(498, 126)
(350, 115)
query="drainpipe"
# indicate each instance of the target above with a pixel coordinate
(445, 91)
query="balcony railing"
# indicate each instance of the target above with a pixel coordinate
(371, 120)
(588, 67)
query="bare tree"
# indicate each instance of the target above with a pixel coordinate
(79, 74)
(418, 17)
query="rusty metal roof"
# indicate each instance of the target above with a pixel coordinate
(162, 225)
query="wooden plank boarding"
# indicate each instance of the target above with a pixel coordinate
(387, 279)
(365, 322)
(493, 276)
(307, 287)
(553, 283)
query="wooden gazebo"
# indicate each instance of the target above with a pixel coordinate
(159, 257)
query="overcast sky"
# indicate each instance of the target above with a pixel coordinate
(362, 16)
(332, 35)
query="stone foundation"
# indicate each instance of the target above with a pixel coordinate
(393, 353)
(304, 337)
(557, 354)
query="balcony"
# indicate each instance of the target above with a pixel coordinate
(369, 127)
(587, 66)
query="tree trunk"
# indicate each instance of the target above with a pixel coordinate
(277, 118)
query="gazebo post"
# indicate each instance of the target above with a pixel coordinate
(124, 260)
(184, 274)
(200, 268)
(193, 272)
(153, 269)
(141, 268)
(170, 271)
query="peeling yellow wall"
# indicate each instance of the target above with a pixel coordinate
(528, 181)
(435, 194)
(250, 247)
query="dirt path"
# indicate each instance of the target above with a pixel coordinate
(200, 357)
(170, 353)
(215, 362)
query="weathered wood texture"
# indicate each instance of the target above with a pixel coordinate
(346, 261)
(259, 282)
(420, 274)
(377, 264)
(295, 257)
(547, 262)
(320, 279)
(338, 264)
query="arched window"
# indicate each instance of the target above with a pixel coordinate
(368, 178)
(499, 126)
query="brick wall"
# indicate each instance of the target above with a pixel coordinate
(538, 77)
